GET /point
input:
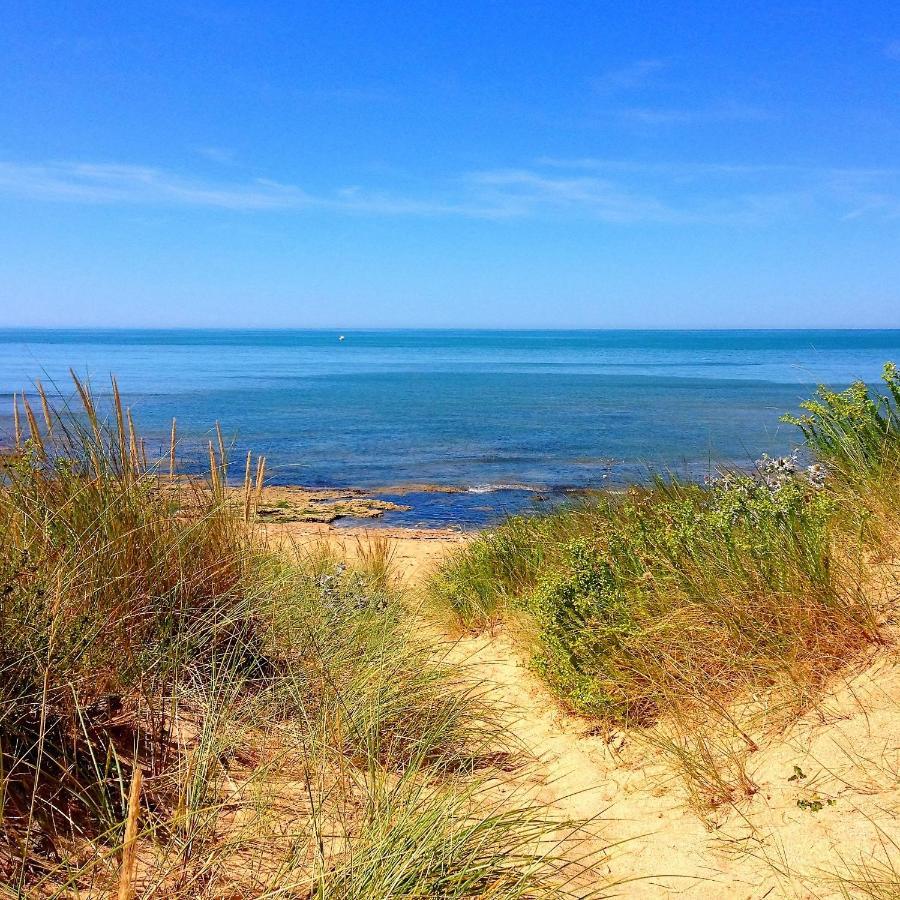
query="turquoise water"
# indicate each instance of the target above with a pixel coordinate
(508, 416)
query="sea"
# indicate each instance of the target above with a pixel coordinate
(462, 426)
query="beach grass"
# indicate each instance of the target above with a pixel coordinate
(185, 712)
(668, 606)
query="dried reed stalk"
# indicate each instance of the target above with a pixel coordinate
(248, 487)
(172, 441)
(17, 427)
(34, 431)
(88, 403)
(214, 474)
(120, 427)
(45, 407)
(133, 456)
(260, 476)
(223, 455)
(129, 847)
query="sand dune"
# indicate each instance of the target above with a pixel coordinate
(826, 791)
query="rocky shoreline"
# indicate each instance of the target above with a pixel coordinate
(297, 504)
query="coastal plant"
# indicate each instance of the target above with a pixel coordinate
(689, 593)
(418, 841)
(107, 597)
(357, 672)
(852, 431)
(185, 712)
(503, 563)
(855, 436)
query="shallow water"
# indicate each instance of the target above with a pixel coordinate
(509, 415)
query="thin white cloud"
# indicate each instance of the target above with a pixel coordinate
(223, 156)
(628, 78)
(664, 168)
(613, 191)
(731, 112)
(680, 170)
(117, 183)
(892, 50)
(521, 192)
(120, 183)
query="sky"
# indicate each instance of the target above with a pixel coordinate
(468, 164)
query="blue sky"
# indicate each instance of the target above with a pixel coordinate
(514, 164)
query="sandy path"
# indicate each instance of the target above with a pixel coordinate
(766, 846)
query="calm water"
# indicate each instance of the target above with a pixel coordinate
(510, 416)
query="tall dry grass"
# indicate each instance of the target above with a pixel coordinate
(184, 713)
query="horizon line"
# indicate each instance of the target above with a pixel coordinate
(350, 329)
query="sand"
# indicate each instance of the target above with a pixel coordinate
(828, 789)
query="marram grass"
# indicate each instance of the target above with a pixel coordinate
(671, 602)
(184, 713)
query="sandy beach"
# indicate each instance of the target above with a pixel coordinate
(769, 844)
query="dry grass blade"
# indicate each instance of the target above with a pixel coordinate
(129, 845)
(45, 407)
(120, 425)
(172, 445)
(17, 427)
(34, 433)
(248, 487)
(87, 401)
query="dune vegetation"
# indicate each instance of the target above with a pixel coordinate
(186, 712)
(699, 612)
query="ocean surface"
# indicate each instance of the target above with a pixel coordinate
(514, 419)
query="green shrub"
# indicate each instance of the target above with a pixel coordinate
(684, 586)
(852, 431)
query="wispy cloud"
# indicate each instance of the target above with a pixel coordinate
(754, 191)
(728, 112)
(628, 78)
(521, 192)
(621, 87)
(620, 192)
(223, 156)
(892, 50)
(119, 183)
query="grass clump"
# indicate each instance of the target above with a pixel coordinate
(501, 565)
(185, 712)
(416, 841)
(855, 437)
(686, 588)
(852, 432)
(681, 596)
(356, 670)
(110, 601)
